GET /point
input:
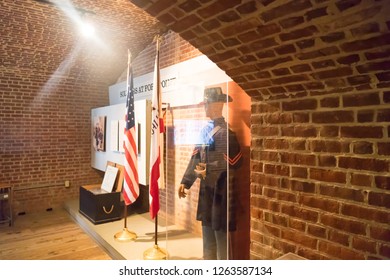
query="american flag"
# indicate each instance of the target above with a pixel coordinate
(130, 185)
(156, 178)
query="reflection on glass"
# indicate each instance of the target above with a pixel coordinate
(216, 152)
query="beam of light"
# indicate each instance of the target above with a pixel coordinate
(61, 72)
(63, 69)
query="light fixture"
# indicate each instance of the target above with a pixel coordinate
(80, 16)
(65, 5)
(86, 28)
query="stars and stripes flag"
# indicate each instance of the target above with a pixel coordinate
(130, 183)
(156, 178)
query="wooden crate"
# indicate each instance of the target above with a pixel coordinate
(101, 207)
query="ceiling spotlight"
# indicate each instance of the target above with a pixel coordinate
(87, 29)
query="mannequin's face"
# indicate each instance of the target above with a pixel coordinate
(213, 110)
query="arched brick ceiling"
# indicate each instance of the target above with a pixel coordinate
(46, 34)
(282, 47)
(269, 47)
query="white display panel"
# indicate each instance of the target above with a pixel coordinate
(115, 115)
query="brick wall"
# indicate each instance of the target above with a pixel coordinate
(50, 79)
(320, 149)
(320, 176)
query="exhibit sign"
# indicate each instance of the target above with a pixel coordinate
(182, 84)
(143, 88)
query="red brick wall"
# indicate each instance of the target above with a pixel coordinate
(173, 50)
(50, 78)
(320, 150)
(320, 176)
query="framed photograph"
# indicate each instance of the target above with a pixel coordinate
(99, 133)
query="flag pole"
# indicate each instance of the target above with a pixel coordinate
(156, 252)
(125, 235)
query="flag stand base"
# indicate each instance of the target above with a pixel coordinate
(155, 253)
(125, 235)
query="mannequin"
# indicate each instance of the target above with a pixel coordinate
(213, 162)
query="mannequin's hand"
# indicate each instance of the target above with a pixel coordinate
(181, 192)
(201, 170)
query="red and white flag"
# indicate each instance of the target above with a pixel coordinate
(130, 185)
(156, 178)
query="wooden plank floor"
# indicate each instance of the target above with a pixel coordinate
(49, 235)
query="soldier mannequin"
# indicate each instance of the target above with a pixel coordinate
(209, 163)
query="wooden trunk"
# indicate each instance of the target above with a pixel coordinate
(100, 207)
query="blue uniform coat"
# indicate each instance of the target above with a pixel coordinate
(221, 152)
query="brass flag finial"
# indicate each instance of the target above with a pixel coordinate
(158, 39)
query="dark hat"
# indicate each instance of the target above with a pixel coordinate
(215, 95)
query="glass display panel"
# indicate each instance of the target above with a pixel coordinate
(203, 156)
